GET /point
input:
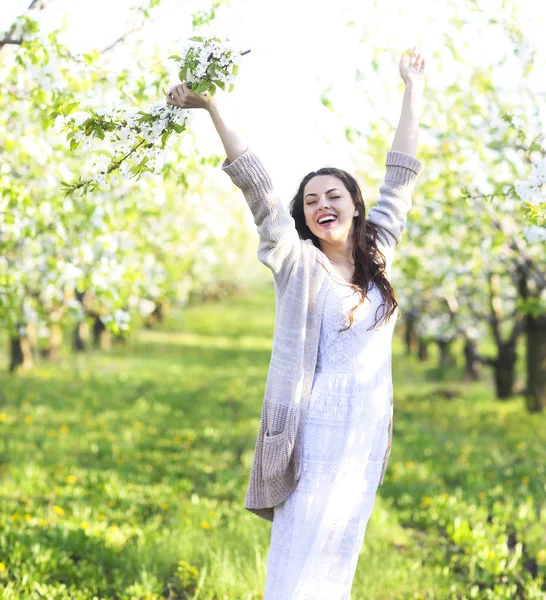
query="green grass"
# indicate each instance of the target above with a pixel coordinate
(123, 474)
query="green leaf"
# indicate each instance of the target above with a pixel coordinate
(175, 57)
(204, 85)
(451, 45)
(70, 107)
(196, 39)
(326, 102)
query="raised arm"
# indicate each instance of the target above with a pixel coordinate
(402, 166)
(234, 145)
(279, 246)
(412, 71)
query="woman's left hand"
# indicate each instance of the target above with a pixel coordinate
(412, 68)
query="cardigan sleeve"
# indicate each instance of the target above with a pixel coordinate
(394, 201)
(279, 245)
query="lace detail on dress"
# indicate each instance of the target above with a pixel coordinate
(318, 530)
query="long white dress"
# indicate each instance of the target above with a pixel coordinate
(318, 531)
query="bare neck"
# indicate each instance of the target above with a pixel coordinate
(337, 254)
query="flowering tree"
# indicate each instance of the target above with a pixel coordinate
(128, 135)
(473, 260)
(65, 256)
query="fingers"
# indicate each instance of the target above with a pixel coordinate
(175, 95)
(416, 59)
(169, 98)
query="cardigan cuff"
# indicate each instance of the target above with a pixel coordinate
(403, 167)
(247, 171)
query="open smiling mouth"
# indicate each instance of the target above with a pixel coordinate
(328, 222)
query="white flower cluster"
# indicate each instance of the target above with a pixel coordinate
(119, 320)
(138, 137)
(127, 133)
(206, 62)
(535, 234)
(534, 189)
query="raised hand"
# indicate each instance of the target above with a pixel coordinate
(412, 68)
(181, 95)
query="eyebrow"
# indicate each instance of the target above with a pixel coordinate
(326, 192)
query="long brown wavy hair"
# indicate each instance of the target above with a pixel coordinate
(368, 259)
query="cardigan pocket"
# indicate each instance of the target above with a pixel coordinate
(275, 454)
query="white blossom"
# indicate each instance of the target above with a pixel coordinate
(132, 125)
(534, 234)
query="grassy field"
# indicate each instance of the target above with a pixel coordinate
(123, 474)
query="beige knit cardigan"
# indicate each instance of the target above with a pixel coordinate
(299, 293)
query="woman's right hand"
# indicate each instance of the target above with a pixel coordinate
(180, 95)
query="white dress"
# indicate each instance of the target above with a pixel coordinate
(318, 531)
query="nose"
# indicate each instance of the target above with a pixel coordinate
(323, 202)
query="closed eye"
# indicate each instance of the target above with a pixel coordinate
(331, 197)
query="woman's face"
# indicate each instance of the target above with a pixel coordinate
(323, 195)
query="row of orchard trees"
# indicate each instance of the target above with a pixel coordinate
(66, 262)
(471, 266)
(473, 261)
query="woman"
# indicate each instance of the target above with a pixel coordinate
(326, 423)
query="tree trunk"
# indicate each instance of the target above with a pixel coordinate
(504, 366)
(79, 336)
(422, 349)
(53, 350)
(410, 335)
(471, 362)
(20, 353)
(446, 355)
(535, 396)
(101, 336)
(156, 316)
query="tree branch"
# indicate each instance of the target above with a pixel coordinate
(479, 316)
(485, 360)
(9, 36)
(519, 327)
(122, 38)
(494, 307)
(521, 257)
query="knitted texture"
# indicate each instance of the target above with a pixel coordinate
(300, 292)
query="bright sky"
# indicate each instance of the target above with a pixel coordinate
(299, 49)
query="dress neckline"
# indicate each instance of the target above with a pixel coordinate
(335, 275)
